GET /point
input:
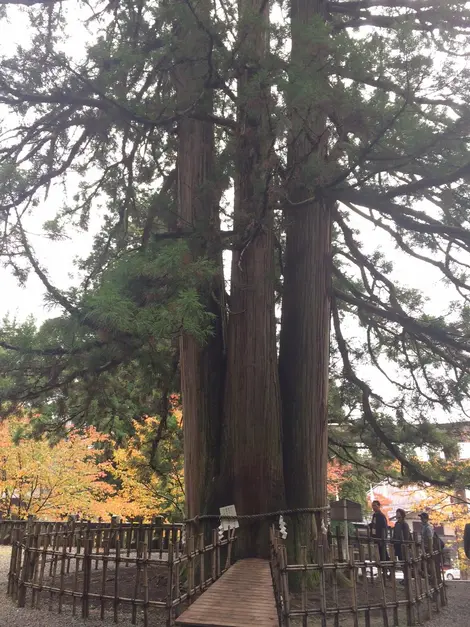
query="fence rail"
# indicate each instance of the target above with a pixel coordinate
(114, 569)
(143, 570)
(359, 583)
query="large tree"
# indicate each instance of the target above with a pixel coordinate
(284, 134)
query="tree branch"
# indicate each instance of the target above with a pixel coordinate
(52, 290)
(51, 351)
(415, 472)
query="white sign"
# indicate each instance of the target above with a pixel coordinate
(229, 523)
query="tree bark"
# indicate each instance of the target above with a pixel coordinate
(252, 444)
(202, 366)
(304, 340)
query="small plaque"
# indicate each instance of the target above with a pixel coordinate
(229, 523)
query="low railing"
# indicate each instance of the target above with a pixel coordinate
(134, 531)
(363, 583)
(141, 570)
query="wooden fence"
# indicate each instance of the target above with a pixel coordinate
(7, 527)
(363, 583)
(105, 569)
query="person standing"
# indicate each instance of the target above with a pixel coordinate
(427, 530)
(401, 533)
(378, 529)
(432, 542)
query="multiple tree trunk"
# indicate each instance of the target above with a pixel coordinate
(201, 366)
(252, 423)
(304, 345)
(243, 445)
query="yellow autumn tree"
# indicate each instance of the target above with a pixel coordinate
(451, 508)
(52, 481)
(149, 470)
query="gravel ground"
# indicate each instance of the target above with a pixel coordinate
(11, 616)
(457, 612)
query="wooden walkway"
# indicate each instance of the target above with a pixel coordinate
(242, 597)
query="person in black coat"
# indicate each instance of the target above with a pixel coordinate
(378, 529)
(401, 533)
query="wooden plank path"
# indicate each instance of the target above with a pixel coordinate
(242, 597)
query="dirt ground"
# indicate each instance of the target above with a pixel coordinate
(12, 616)
(456, 614)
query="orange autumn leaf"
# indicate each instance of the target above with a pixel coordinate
(51, 481)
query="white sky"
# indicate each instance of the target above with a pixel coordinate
(57, 257)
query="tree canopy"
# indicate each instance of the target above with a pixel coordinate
(286, 136)
(51, 481)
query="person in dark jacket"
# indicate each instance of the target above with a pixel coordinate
(378, 529)
(401, 533)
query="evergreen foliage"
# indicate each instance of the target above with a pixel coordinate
(380, 97)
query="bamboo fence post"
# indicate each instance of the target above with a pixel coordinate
(45, 547)
(128, 542)
(86, 576)
(424, 568)
(190, 570)
(19, 558)
(362, 558)
(104, 573)
(77, 558)
(202, 575)
(78, 545)
(303, 586)
(393, 572)
(71, 538)
(149, 539)
(99, 538)
(285, 584)
(136, 584)
(53, 569)
(213, 555)
(12, 569)
(432, 568)
(169, 595)
(116, 579)
(146, 585)
(177, 561)
(217, 552)
(339, 544)
(322, 586)
(228, 560)
(131, 536)
(380, 576)
(371, 556)
(353, 574)
(167, 538)
(25, 570)
(34, 562)
(140, 533)
(13, 561)
(417, 580)
(439, 572)
(161, 541)
(53, 547)
(62, 573)
(335, 595)
(121, 538)
(410, 614)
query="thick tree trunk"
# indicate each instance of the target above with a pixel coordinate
(253, 458)
(202, 366)
(304, 342)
